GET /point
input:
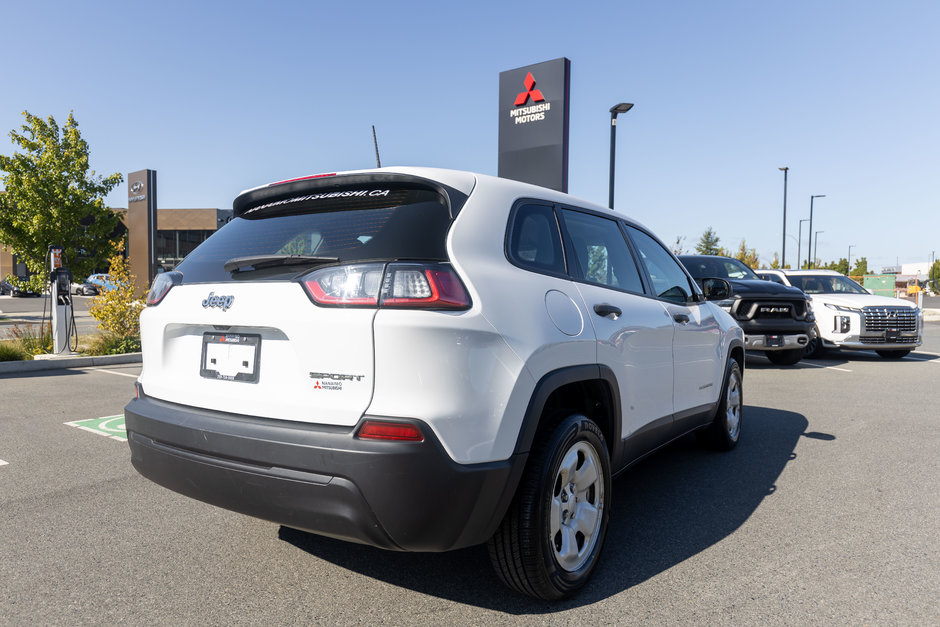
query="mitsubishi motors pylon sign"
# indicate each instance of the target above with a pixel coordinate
(533, 123)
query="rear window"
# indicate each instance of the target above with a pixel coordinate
(404, 224)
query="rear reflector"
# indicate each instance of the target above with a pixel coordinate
(402, 431)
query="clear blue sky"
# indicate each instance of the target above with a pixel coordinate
(222, 96)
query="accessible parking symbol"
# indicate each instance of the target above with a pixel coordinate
(109, 426)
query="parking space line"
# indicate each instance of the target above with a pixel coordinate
(3, 463)
(120, 374)
(809, 363)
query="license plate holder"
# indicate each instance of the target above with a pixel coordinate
(892, 335)
(231, 357)
(773, 340)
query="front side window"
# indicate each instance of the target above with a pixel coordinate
(669, 281)
(601, 252)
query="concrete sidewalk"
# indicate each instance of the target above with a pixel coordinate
(58, 362)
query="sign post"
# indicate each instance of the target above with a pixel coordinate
(142, 225)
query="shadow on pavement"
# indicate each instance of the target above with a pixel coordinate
(665, 510)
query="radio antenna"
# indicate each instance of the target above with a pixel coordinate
(378, 162)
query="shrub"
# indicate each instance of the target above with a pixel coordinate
(118, 310)
(31, 339)
(111, 344)
(12, 351)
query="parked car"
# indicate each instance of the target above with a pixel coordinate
(85, 288)
(8, 288)
(102, 282)
(425, 360)
(850, 317)
(776, 319)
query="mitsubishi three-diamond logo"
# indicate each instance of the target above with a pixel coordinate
(534, 112)
(535, 94)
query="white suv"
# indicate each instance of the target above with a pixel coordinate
(849, 316)
(425, 360)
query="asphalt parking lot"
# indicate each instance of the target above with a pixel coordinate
(826, 513)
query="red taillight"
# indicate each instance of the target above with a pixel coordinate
(162, 285)
(423, 286)
(427, 286)
(402, 431)
(346, 285)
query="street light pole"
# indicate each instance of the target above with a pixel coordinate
(851, 246)
(816, 246)
(799, 241)
(811, 245)
(783, 245)
(623, 107)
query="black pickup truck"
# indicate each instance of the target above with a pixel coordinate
(776, 319)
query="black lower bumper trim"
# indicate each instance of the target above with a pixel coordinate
(395, 495)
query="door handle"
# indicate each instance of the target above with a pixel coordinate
(605, 310)
(681, 318)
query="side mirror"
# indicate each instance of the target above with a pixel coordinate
(716, 289)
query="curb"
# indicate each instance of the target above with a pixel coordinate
(57, 363)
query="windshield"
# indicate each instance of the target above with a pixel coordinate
(826, 284)
(717, 268)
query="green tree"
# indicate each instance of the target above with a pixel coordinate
(775, 262)
(841, 266)
(748, 256)
(708, 243)
(861, 267)
(53, 199)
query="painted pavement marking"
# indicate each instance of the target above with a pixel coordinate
(120, 374)
(809, 363)
(3, 463)
(109, 426)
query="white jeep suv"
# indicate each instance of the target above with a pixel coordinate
(849, 316)
(424, 360)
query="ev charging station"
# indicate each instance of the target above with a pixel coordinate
(63, 319)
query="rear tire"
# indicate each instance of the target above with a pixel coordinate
(894, 354)
(725, 431)
(551, 538)
(785, 358)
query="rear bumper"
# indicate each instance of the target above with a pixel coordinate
(394, 495)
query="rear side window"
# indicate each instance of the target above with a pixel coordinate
(534, 240)
(405, 225)
(602, 252)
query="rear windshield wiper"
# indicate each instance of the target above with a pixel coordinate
(268, 261)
